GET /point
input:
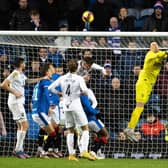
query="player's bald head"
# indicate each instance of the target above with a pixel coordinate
(154, 46)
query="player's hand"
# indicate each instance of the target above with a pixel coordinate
(18, 94)
(59, 94)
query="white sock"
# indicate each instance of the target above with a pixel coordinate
(20, 140)
(79, 143)
(70, 143)
(85, 140)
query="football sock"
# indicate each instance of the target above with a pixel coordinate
(41, 137)
(135, 117)
(85, 140)
(70, 143)
(20, 140)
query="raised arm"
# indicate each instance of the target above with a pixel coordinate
(53, 86)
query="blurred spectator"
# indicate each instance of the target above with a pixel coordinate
(162, 88)
(4, 110)
(157, 21)
(33, 71)
(114, 42)
(75, 9)
(55, 56)
(4, 60)
(89, 42)
(63, 43)
(102, 42)
(42, 55)
(165, 4)
(102, 12)
(53, 11)
(153, 129)
(20, 19)
(129, 58)
(6, 7)
(36, 23)
(126, 23)
(164, 43)
(130, 85)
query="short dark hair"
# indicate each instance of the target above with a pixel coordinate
(72, 65)
(18, 61)
(88, 60)
(44, 69)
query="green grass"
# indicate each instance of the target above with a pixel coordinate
(64, 163)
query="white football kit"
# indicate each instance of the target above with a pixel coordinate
(71, 86)
(16, 105)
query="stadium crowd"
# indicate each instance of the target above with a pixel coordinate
(112, 74)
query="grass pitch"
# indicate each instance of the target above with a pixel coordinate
(83, 163)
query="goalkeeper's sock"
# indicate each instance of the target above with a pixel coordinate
(85, 140)
(70, 143)
(135, 117)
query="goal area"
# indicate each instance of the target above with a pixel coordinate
(121, 56)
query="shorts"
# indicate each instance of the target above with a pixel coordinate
(58, 115)
(18, 112)
(95, 125)
(76, 117)
(41, 119)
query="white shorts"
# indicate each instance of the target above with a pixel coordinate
(41, 119)
(76, 117)
(18, 112)
(58, 115)
(95, 125)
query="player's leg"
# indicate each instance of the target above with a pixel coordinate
(143, 91)
(19, 115)
(100, 138)
(81, 121)
(45, 123)
(69, 123)
(55, 119)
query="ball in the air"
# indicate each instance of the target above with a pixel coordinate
(88, 16)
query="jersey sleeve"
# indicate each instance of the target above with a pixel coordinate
(87, 105)
(92, 98)
(54, 85)
(13, 76)
(83, 86)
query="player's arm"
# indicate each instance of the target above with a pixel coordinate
(35, 80)
(92, 98)
(83, 86)
(98, 67)
(87, 105)
(6, 84)
(54, 87)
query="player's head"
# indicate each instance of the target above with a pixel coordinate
(87, 62)
(19, 63)
(72, 65)
(45, 70)
(154, 47)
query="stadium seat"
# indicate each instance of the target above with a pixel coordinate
(133, 12)
(146, 12)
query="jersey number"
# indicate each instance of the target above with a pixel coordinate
(68, 92)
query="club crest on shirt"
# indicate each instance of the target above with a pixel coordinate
(15, 75)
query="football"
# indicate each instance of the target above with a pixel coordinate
(88, 17)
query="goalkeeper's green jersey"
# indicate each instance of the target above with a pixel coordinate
(152, 66)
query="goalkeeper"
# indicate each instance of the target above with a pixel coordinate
(147, 79)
